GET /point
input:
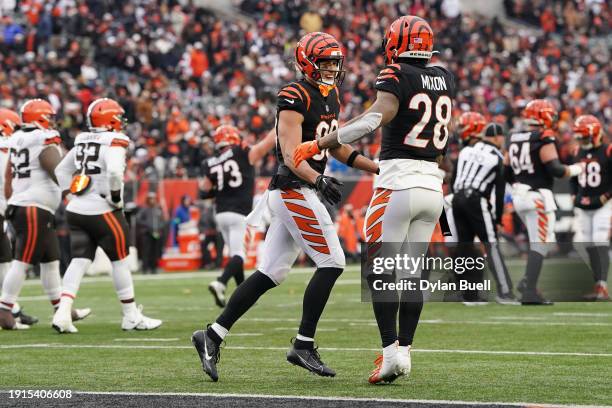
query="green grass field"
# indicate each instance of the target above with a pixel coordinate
(490, 353)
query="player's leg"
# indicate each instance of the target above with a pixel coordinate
(280, 252)
(387, 220)
(488, 235)
(83, 250)
(112, 236)
(425, 208)
(23, 221)
(540, 230)
(599, 253)
(5, 264)
(312, 228)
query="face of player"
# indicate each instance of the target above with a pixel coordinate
(329, 71)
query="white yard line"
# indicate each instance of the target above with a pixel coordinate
(131, 339)
(316, 398)
(334, 349)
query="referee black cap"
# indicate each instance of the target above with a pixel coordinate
(493, 129)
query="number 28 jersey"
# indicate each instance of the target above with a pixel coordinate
(524, 155)
(234, 179)
(31, 184)
(91, 155)
(419, 129)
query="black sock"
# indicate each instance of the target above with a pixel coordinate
(534, 266)
(213, 335)
(410, 309)
(595, 261)
(385, 304)
(233, 268)
(604, 257)
(315, 298)
(244, 297)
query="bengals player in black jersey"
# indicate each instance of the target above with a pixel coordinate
(307, 110)
(592, 192)
(534, 164)
(413, 105)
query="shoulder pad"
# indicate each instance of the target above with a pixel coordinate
(296, 92)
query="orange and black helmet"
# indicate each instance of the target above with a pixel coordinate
(9, 121)
(408, 37)
(587, 128)
(105, 113)
(540, 112)
(471, 125)
(314, 48)
(37, 112)
(226, 135)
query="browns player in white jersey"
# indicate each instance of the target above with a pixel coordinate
(93, 173)
(33, 198)
(9, 122)
(413, 105)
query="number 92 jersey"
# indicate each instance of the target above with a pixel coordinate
(90, 156)
(419, 129)
(524, 154)
(320, 117)
(31, 184)
(234, 179)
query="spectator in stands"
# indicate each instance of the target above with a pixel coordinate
(151, 224)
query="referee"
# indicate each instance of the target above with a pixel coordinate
(479, 171)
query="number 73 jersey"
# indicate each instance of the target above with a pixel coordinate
(92, 155)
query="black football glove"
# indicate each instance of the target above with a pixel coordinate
(328, 187)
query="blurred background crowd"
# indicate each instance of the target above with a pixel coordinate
(180, 70)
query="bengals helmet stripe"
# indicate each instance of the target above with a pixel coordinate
(587, 127)
(226, 135)
(314, 48)
(471, 125)
(408, 37)
(540, 112)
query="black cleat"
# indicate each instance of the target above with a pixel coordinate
(310, 360)
(208, 351)
(532, 297)
(24, 318)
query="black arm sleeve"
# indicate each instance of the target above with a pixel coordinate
(509, 175)
(500, 192)
(207, 194)
(555, 168)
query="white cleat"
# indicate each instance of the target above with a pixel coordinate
(388, 368)
(62, 319)
(404, 361)
(217, 289)
(138, 321)
(80, 314)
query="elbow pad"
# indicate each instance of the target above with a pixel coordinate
(555, 168)
(354, 131)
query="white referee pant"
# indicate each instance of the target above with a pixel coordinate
(300, 222)
(233, 228)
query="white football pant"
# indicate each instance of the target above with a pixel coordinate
(233, 229)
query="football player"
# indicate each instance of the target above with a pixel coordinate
(9, 122)
(413, 104)
(593, 190)
(92, 172)
(306, 110)
(230, 178)
(534, 164)
(33, 198)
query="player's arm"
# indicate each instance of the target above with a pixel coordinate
(65, 170)
(550, 159)
(259, 150)
(115, 163)
(500, 191)
(352, 158)
(8, 178)
(608, 194)
(49, 158)
(289, 137)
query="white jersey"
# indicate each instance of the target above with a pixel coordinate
(31, 184)
(101, 156)
(4, 155)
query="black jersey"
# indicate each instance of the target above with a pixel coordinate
(524, 155)
(596, 180)
(419, 130)
(320, 117)
(234, 179)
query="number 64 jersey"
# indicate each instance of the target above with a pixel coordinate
(96, 155)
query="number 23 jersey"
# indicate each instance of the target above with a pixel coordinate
(31, 184)
(234, 179)
(92, 154)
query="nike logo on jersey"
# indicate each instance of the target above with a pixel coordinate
(290, 101)
(379, 82)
